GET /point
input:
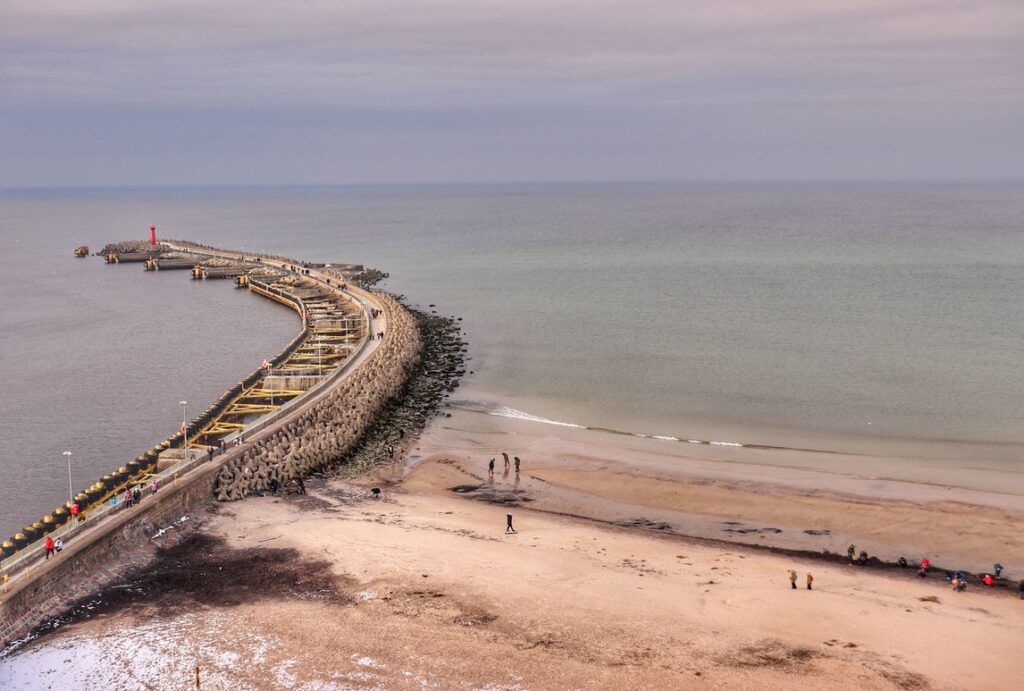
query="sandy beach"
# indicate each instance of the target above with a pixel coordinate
(424, 589)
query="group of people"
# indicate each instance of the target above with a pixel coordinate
(793, 578)
(957, 579)
(133, 495)
(490, 466)
(490, 471)
(52, 546)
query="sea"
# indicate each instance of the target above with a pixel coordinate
(876, 318)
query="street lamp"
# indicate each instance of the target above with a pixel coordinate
(71, 491)
(184, 429)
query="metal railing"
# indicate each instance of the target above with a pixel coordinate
(74, 527)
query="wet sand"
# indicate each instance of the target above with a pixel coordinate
(786, 498)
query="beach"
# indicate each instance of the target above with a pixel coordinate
(423, 588)
(801, 500)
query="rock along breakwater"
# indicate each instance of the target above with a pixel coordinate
(364, 373)
(331, 428)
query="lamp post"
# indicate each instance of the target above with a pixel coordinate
(71, 491)
(184, 430)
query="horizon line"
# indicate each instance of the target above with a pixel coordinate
(497, 183)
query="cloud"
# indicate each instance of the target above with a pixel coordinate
(617, 66)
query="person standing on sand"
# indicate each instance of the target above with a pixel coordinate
(490, 467)
(516, 458)
(792, 579)
(810, 580)
(850, 551)
(510, 529)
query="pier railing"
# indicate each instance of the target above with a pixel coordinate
(73, 528)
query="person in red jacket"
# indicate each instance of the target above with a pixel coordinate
(988, 580)
(48, 544)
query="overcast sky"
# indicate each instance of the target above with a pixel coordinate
(102, 92)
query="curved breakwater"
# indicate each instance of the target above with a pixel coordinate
(306, 407)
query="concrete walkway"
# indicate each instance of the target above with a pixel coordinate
(19, 571)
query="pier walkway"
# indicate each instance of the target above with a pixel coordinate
(28, 563)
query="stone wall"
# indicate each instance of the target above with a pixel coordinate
(333, 426)
(97, 559)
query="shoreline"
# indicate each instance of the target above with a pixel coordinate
(785, 500)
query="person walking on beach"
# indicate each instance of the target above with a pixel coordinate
(505, 456)
(516, 458)
(792, 579)
(48, 544)
(988, 580)
(490, 467)
(810, 580)
(850, 551)
(997, 569)
(508, 524)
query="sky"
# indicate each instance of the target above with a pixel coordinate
(122, 92)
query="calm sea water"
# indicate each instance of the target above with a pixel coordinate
(875, 318)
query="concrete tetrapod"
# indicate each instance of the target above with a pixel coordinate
(333, 426)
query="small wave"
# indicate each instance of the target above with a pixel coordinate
(520, 415)
(504, 411)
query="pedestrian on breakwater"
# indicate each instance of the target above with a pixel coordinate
(7, 577)
(508, 524)
(58, 545)
(792, 579)
(48, 545)
(137, 495)
(128, 499)
(75, 511)
(810, 580)
(154, 488)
